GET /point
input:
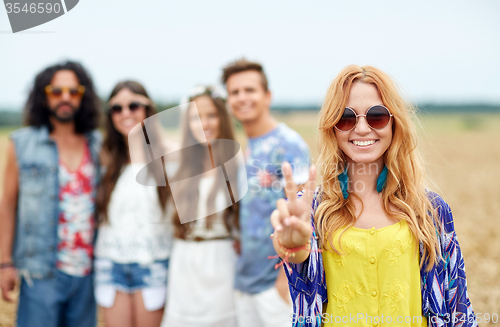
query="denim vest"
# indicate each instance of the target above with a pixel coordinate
(35, 242)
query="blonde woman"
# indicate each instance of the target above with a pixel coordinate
(382, 248)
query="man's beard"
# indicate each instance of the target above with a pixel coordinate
(68, 117)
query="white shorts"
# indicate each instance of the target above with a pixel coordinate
(153, 297)
(264, 309)
(150, 279)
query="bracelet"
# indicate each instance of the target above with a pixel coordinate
(6, 265)
(287, 252)
(290, 252)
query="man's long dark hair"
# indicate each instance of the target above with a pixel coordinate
(37, 112)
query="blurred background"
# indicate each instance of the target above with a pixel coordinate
(444, 56)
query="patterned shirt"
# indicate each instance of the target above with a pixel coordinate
(263, 158)
(76, 218)
(445, 301)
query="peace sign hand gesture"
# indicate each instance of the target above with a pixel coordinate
(292, 219)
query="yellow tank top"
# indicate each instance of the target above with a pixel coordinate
(376, 279)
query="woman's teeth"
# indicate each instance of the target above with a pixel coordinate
(363, 143)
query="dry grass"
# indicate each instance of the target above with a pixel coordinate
(463, 163)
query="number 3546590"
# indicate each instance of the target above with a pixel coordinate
(486, 318)
(33, 8)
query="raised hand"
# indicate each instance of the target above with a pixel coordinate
(292, 219)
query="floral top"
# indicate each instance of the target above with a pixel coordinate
(383, 291)
(76, 218)
(445, 301)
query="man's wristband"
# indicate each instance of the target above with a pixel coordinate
(6, 265)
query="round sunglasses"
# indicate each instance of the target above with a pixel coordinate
(377, 117)
(132, 106)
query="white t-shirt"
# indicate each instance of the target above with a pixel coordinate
(138, 231)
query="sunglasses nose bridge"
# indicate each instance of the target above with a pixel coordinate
(126, 110)
(65, 92)
(132, 107)
(362, 126)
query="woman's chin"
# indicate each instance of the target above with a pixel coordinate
(366, 159)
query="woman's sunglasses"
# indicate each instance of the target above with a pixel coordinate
(58, 91)
(132, 106)
(377, 117)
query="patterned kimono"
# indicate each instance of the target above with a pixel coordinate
(445, 301)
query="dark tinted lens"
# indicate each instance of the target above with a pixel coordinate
(74, 92)
(133, 106)
(378, 117)
(56, 92)
(115, 109)
(347, 121)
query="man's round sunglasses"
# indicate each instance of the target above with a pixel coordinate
(132, 106)
(377, 117)
(58, 91)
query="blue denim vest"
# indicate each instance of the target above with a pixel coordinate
(35, 242)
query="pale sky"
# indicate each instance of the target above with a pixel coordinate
(447, 51)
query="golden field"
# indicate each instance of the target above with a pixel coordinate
(463, 164)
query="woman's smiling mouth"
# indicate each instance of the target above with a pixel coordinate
(363, 143)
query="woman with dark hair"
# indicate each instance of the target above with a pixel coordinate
(203, 258)
(131, 250)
